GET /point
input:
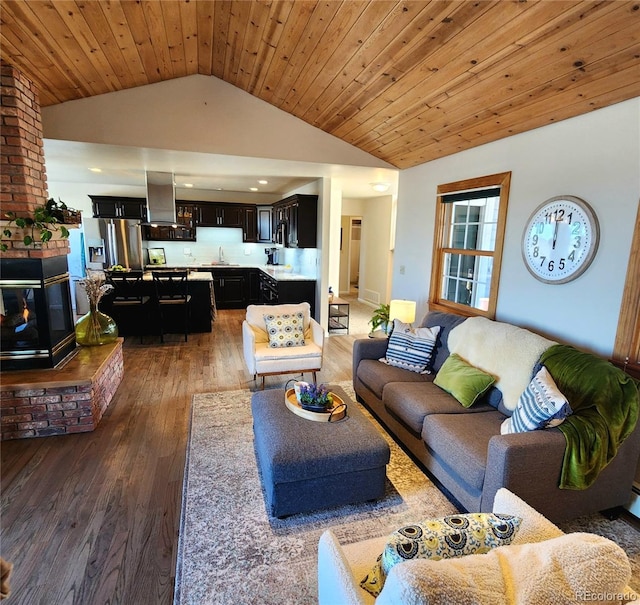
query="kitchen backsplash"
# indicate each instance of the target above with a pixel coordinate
(210, 240)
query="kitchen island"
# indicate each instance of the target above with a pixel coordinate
(237, 286)
(202, 306)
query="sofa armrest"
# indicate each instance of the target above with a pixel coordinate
(368, 348)
(249, 346)
(336, 583)
(527, 464)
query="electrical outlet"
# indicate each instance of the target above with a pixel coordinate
(401, 269)
(187, 251)
(247, 252)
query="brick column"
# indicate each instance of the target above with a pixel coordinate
(23, 177)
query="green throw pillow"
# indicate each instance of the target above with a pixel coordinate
(462, 380)
(444, 538)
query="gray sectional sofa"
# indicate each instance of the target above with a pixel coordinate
(463, 448)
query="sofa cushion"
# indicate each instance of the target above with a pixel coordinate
(411, 349)
(466, 383)
(569, 569)
(375, 375)
(446, 321)
(542, 405)
(411, 402)
(443, 538)
(460, 442)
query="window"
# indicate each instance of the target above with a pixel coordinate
(467, 249)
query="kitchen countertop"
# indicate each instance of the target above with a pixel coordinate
(278, 272)
(191, 275)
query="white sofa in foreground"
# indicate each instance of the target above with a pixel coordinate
(542, 566)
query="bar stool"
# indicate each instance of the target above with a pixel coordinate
(129, 305)
(172, 292)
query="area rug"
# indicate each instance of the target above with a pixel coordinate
(231, 551)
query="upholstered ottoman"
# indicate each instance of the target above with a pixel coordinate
(307, 465)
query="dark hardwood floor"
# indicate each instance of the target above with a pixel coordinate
(94, 518)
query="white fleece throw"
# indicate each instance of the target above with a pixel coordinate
(568, 570)
(503, 350)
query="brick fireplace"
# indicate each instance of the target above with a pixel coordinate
(49, 387)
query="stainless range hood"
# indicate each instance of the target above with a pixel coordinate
(161, 199)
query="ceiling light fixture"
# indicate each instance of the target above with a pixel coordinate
(188, 184)
(380, 187)
(263, 182)
(95, 169)
(253, 189)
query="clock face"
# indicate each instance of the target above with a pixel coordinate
(560, 239)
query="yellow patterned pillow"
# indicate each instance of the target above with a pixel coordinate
(286, 330)
(444, 538)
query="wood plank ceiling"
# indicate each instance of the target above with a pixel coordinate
(406, 81)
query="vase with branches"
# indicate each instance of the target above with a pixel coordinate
(95, 328)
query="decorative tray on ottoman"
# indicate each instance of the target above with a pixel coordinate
(333, 414)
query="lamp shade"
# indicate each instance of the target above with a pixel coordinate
(404, 310)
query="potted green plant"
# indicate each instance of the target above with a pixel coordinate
(380, 318)
(38, 227)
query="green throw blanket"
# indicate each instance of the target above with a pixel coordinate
(605, 404)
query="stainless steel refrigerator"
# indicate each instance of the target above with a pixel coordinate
(123, 243)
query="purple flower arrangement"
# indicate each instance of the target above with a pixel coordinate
(313, 396)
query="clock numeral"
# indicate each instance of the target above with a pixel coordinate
(540, 228)
(535, 252)
(578, 242)
(572, 256)
(561, 264)
(551, 265)
(576, 228)
(534, 240)
(544, 258)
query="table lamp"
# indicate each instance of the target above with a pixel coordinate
(404, 310)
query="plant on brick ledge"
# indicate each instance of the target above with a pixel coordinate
(39, 227)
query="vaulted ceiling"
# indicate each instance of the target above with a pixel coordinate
(406, 81)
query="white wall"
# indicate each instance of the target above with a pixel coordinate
(202, 114)
(595, 157)
(375, 247)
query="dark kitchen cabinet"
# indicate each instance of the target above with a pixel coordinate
(296, 219)
(186, 214)
(220, 215)
(250, 226)
(264, 224)
(105, 206)
(278, 292)
(168, 233)
(230, 287)
(254, 286)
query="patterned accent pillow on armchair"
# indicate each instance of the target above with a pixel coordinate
(286, 330)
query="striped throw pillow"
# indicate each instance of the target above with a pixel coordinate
(411, 349)
(540, 406)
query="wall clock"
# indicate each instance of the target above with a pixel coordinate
(560, 239)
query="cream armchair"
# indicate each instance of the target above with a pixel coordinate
(263, 360)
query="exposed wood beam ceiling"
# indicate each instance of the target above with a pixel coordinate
(405, 81)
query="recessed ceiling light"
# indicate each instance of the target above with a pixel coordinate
(95, 169)
(380, 187)
(253, 189)
(263, 182)
(188, 184)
